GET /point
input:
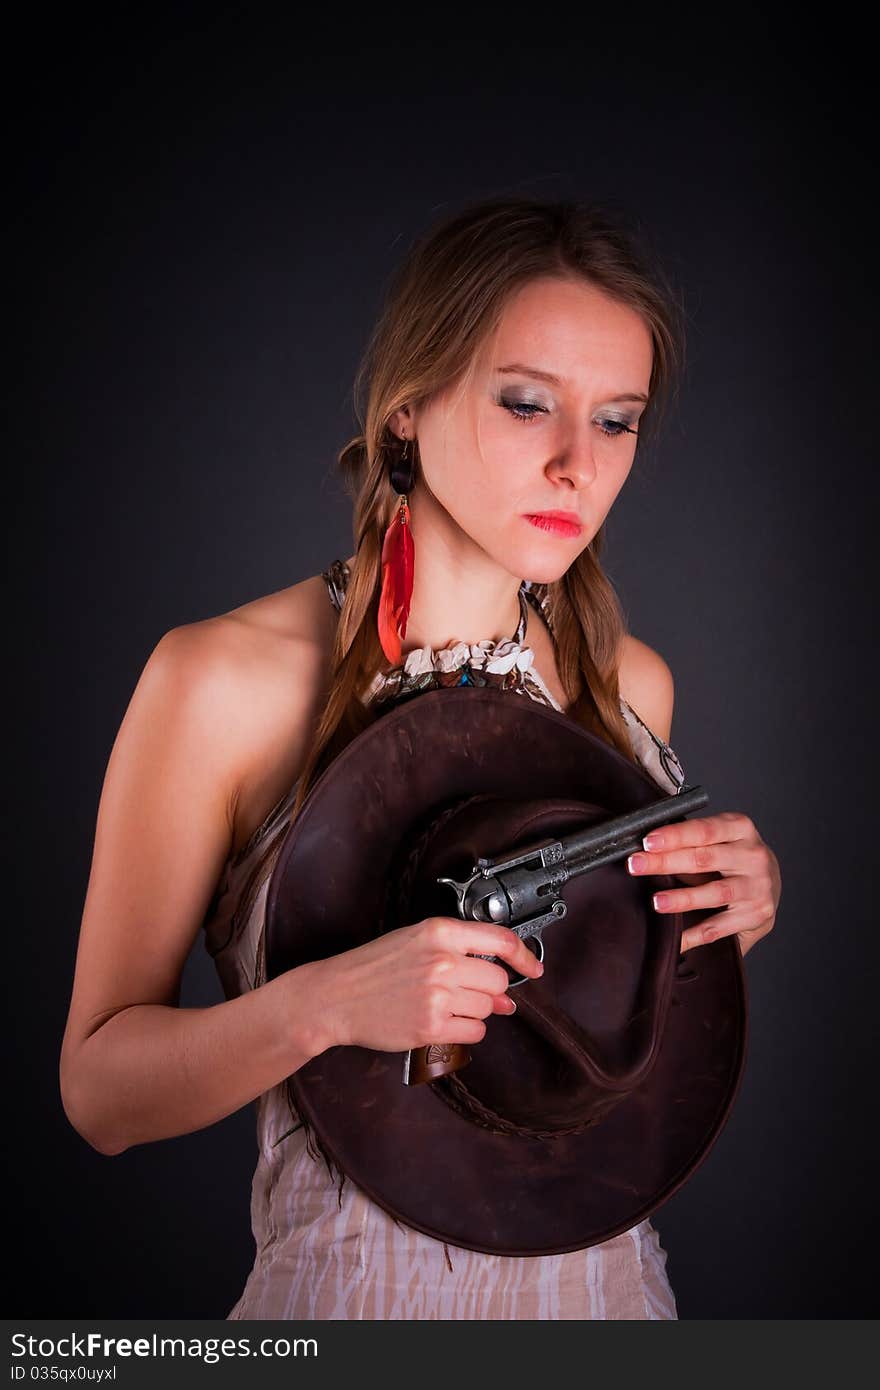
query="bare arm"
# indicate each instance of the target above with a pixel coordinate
(154, 1071)
(134, 1067)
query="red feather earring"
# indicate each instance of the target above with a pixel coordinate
(398, 563)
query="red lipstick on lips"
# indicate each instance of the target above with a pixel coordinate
(557, 523)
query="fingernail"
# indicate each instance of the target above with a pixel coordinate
(512, 1003)
(636, 862)
(653, 841)
(660, 900)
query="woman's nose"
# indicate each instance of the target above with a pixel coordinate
(576, 459)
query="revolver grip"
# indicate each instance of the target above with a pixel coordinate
(437, 1059)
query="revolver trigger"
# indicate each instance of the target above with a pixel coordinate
(538, 953)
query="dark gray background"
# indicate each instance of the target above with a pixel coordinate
(205, 216)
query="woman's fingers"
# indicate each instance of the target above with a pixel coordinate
(483, 939)
(490, 977)
(721, 892)
(731, 856)
(472, 1003)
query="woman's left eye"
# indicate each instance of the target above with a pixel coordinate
(611, 428)
(617, 427)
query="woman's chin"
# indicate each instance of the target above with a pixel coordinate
(543, 561)
(535, 563)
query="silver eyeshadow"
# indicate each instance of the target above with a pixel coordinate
(509, 396)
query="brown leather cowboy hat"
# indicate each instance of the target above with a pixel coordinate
(580, 1114)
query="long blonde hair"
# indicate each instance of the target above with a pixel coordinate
(443, 303)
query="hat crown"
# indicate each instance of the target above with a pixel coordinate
(586, 1033)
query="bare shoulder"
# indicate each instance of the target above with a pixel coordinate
(646, 683)
(263, 667)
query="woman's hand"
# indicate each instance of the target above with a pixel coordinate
(725, 863)
(419, 984)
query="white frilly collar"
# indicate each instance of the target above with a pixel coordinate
(499, 657)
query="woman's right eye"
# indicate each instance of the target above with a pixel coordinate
(515, 407)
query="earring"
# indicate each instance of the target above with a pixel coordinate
(398, 562)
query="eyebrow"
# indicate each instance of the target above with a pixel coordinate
(559, 381)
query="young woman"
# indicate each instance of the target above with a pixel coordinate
(523, 350)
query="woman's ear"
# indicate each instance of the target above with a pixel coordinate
(403, 423)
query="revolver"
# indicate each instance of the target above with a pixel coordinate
(524, 892)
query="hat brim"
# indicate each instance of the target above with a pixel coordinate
(429, 1167)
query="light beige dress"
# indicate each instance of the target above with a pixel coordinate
(331, 1253)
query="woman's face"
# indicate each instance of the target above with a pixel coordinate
(513, 445)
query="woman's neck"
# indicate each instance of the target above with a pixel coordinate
(457, 602)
